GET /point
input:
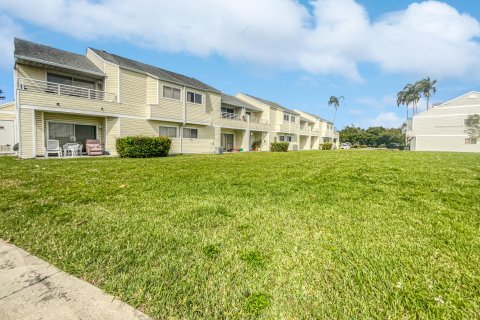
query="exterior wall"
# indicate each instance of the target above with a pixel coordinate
(112, 80)
(133, 90)
(152, 90)
(7, 111)
(442, 128)
(31, 72)
(26, 117)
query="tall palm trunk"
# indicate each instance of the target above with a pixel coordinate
(334, 116)
(428, 101)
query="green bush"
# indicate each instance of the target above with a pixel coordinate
(363, 146)
(143, 147)
(256, 144)
(356, 146)
(326, 146)
(279, 147)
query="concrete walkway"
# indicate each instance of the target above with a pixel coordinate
(30, 288)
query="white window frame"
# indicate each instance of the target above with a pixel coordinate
(292, 118)
(169, 127)
(196, 93)
(188, 128)
(162, 94)
(470, 140)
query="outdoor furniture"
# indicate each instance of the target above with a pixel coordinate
(53, 146)
(94, 148)
(70, 149)
(80, 149)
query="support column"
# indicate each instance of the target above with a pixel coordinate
(217, 142)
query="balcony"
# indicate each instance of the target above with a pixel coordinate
(31, 85)
(305, 130)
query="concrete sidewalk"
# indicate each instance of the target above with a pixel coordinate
(30, 288)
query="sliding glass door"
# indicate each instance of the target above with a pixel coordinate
(71, 132)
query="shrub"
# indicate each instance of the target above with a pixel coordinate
(356, 146)
(363, 146)
(279, 147)
(143, 147)
(256, 144)
(326, 146)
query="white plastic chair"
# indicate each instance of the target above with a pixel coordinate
(53, 146)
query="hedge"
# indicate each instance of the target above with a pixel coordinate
(326, 146)
(143, 147)
(279, 146)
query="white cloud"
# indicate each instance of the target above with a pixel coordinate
(387, 120)
(333, 38)
(8, 29)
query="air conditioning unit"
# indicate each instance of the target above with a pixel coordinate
(295, 147)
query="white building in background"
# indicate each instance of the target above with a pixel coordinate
(442, 128)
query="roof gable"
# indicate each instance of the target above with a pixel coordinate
(39, 53)
(272, 104)
(162, 74)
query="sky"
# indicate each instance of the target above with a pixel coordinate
(296, 53)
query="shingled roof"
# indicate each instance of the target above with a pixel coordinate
(162, 74)
(234, 101)
(39, 53)
(272, 104)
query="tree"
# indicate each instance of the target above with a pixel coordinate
(2, 97)
(412, 92)
(335, 102)
(472, 123)
(402, 100)
(427, 87)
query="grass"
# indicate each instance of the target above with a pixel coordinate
(325, 234)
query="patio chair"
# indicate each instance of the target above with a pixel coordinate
(94, 148)
(53, 146)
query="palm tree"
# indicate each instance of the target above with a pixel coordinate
(427, 87)
(412, 92)
(335, 102)
(1, 96)
(402, 100)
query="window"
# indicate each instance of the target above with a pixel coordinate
(190, 133)
(292, 118)
(170, 132)
(194, 97)
(286, 117)
(285, 138)
(171, 93)
(227, 110)
(470, 141)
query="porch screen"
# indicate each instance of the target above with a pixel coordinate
(71, 132)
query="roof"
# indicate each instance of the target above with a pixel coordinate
(162, 74)
(316, 116)
(39, 53)
(234, 101)
(272, 104)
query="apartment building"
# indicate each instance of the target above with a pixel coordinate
(442, 128)
(70, 98)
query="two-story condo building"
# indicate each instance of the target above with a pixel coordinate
(70, 98)
(442, 128)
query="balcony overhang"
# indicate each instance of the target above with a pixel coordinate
(58, 67)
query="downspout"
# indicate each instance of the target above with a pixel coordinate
(17, 111)
(184, 118)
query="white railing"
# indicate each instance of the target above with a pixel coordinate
(258, 120)
(231, 116)
(306, 128)
(32, 85)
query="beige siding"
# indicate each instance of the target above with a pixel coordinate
(152, 90)
(472, 98)
(132, 89)
(138, 127)
(60, 103)
(8, 107)
(40, 133)
(95, 59)
(445, 143)
(112, 132)
(204, 143)
(31, 72)
(196, 114)
(26, 133)
(112, 79)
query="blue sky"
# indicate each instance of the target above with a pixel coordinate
(295, 53)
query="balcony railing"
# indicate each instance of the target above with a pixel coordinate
(231, 116)
(258, 120)
(32, 85)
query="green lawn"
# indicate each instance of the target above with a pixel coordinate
(322, 234)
